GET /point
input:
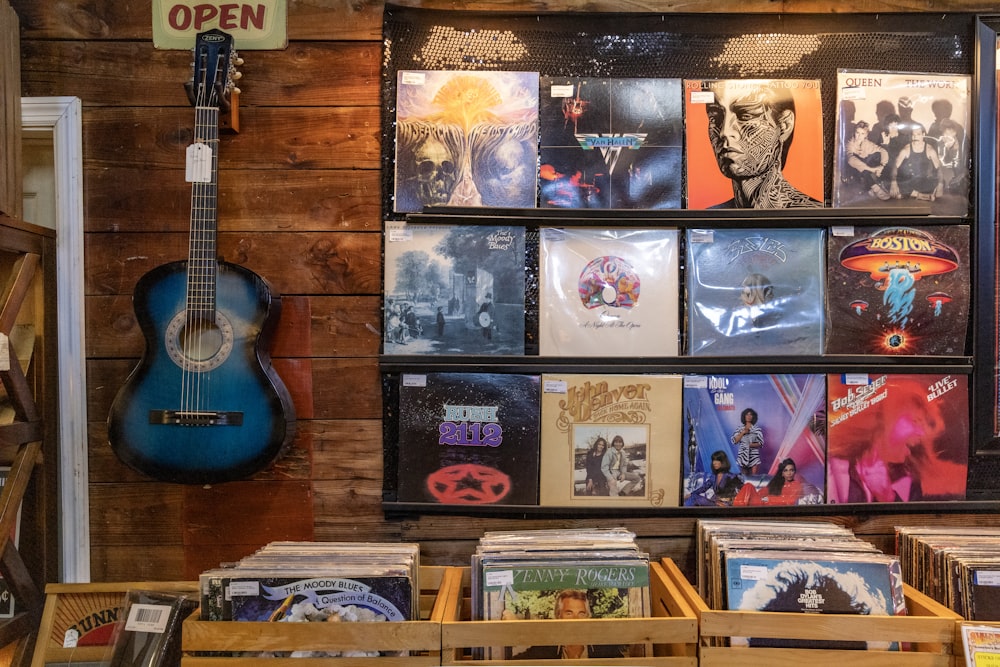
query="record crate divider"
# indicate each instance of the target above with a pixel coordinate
(672, 630)
(68, 604)
(422, 639)
(928, 631)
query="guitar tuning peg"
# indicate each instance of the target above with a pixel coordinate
(238, 60)
(237, 76)
(237, 90)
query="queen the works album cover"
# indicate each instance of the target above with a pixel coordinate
(610, 143)
(468, 438)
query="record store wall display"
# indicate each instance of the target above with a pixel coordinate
(674, 346)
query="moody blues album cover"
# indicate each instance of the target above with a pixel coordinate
(468, 438)
(610, 143)
(898, 290)
(755, 291)
(453, 289)
(466, 138)
(903, 140)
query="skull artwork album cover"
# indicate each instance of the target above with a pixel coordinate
(466, 139)
(753, 292)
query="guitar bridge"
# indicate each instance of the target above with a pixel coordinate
(195, 418)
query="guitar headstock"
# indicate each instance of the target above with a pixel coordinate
(213, 75)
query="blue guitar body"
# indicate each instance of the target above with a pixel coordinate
(204, 405)
(218, 411)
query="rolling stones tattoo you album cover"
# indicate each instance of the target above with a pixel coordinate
(610, 440)
(754, 143)
(466, 138)
(754, 430)
(453, 289)
(608, 292)
(755, 291)
(903, 139)
(469, 438)
(897, 437)
(898, 290)
(610, 143)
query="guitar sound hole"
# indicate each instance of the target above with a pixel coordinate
(201, 345)
(201, 341)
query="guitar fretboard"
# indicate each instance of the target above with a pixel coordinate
(202, 250)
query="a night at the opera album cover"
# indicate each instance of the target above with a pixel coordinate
(610, 143)
(453, 289)
(754, 143)
(903, 140)
(897, 437)
(755, 291)
(755, 439)
(469, 438)
(466, 138)
(898, 290)
(608, 292)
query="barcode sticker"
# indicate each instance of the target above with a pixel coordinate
(148, 618)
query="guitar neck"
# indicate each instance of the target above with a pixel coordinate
(203, 247)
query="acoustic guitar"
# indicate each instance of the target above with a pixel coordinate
(204, 405)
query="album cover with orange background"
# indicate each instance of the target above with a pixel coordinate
(707, 187)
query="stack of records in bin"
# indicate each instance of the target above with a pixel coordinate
(807, 567)
(959, 567)
(560, 574)
(316, 581)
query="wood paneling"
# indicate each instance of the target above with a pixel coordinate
(10, 112)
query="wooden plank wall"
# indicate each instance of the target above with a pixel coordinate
(299, 204)
(10, 112)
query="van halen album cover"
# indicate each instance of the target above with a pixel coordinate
(453, 289)
(466, 138)
(897, 437)
(754, 143)
(753, 440)
(610, 143)
(903, 140)
(468, 438)
(898, 290)
(755, 291)
(610, 440)
(608, 292)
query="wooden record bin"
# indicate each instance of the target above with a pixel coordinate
(672, 630)
(928, 632)
(422, 639)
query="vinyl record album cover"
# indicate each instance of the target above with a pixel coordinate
(610, 143)
(897, 437)
(754, 143)
(466, 138)
(453, 289)
(303, 597)
(903, 140)
(755, 291)
(868, 584)
(610, 440)
(898, 290)
(754, 439)
(468, 438)
(608, 292)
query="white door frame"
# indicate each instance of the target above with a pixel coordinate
(61, 117)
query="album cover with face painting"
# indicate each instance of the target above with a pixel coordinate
(898, 290)
(754, 143)
(468, 438)
(465, 138)
(755, 291)
(610, 143)
(608, 292)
